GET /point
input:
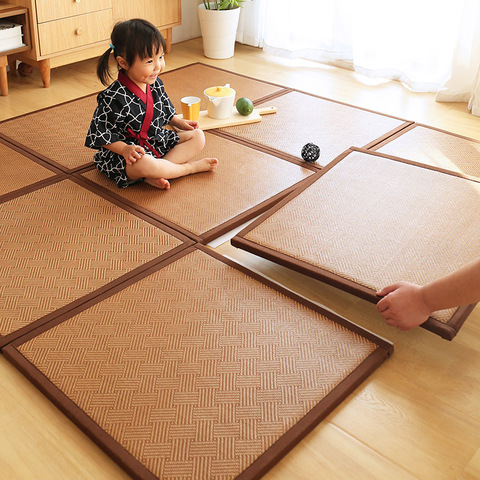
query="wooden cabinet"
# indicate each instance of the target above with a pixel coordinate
(17, 15)
(67, 31)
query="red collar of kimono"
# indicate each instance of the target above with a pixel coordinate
(147, 99)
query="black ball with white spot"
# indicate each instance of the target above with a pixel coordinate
(310, 152)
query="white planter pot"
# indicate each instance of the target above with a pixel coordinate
(219, 29)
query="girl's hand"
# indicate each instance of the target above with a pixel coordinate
(132, 153)
(183, 124)
(191, 125)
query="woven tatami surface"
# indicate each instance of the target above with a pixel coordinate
(302, 119)
(201, 202)
(56, 134)
(62, 242)
(376, 221)
(201, 77)
(197, 369)
(437, 148)
(26, 171)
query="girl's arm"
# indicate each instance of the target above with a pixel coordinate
(406, 305)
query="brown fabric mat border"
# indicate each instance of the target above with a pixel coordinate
(413, 162)
(172, 256)
(399, 134)
(246, 216)
(445, 330)
(58, 173)
(302, 428)
(123, 458)
(134, 209)
(258, 469)
(115, 284)
(32, 153)
(20, 149)
(415, 125)
(269, 151)
(81, 303)
(269, 458)
(272, 96)
(62, 314)
(278, 153)
(67, 102)
(205, 237)
(32, 187)
(230, 71)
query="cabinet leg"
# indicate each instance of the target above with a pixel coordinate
(3, 76)
(168, 39)
(44, 66)
(12, 64)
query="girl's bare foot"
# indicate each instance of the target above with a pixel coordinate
(160, 183)
(204, 165)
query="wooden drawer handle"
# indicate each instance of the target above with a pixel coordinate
(78, 31)
(77, 1)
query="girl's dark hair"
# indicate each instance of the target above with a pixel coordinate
(129, 39)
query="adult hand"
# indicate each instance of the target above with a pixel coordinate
(403, 305)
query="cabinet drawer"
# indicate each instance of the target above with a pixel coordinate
(160, 12)
(74, 32)
(48, 10)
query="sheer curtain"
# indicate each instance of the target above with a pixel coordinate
(429, 45)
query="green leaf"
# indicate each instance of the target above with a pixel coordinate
(222, 4)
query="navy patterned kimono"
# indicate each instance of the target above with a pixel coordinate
(125, 113)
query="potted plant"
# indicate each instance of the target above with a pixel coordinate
(219, 22)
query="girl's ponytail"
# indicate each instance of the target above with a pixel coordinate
(103, 70)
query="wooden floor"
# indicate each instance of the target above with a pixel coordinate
(417, 417)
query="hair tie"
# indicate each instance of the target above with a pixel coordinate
(112, 47)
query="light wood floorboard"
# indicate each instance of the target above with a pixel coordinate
(417, 417)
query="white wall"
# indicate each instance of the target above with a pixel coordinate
(190, 27)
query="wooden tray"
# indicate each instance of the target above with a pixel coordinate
(207, 123)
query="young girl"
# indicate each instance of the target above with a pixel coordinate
(127, 126)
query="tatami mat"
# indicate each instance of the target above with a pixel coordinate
(209, 204)
(18, 171)
(435, 147)
(198, 370)
(56, 134)
(62, 242)
(302, 118)
(370, 221)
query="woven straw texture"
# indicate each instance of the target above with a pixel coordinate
(376, 221)
(56, 134)
(194, 79)
(25, 172)
(62, 242)
(244, 179)
(303, 119)
(197, 369)
(440, 149)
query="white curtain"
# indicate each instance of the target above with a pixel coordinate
(429, 45)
